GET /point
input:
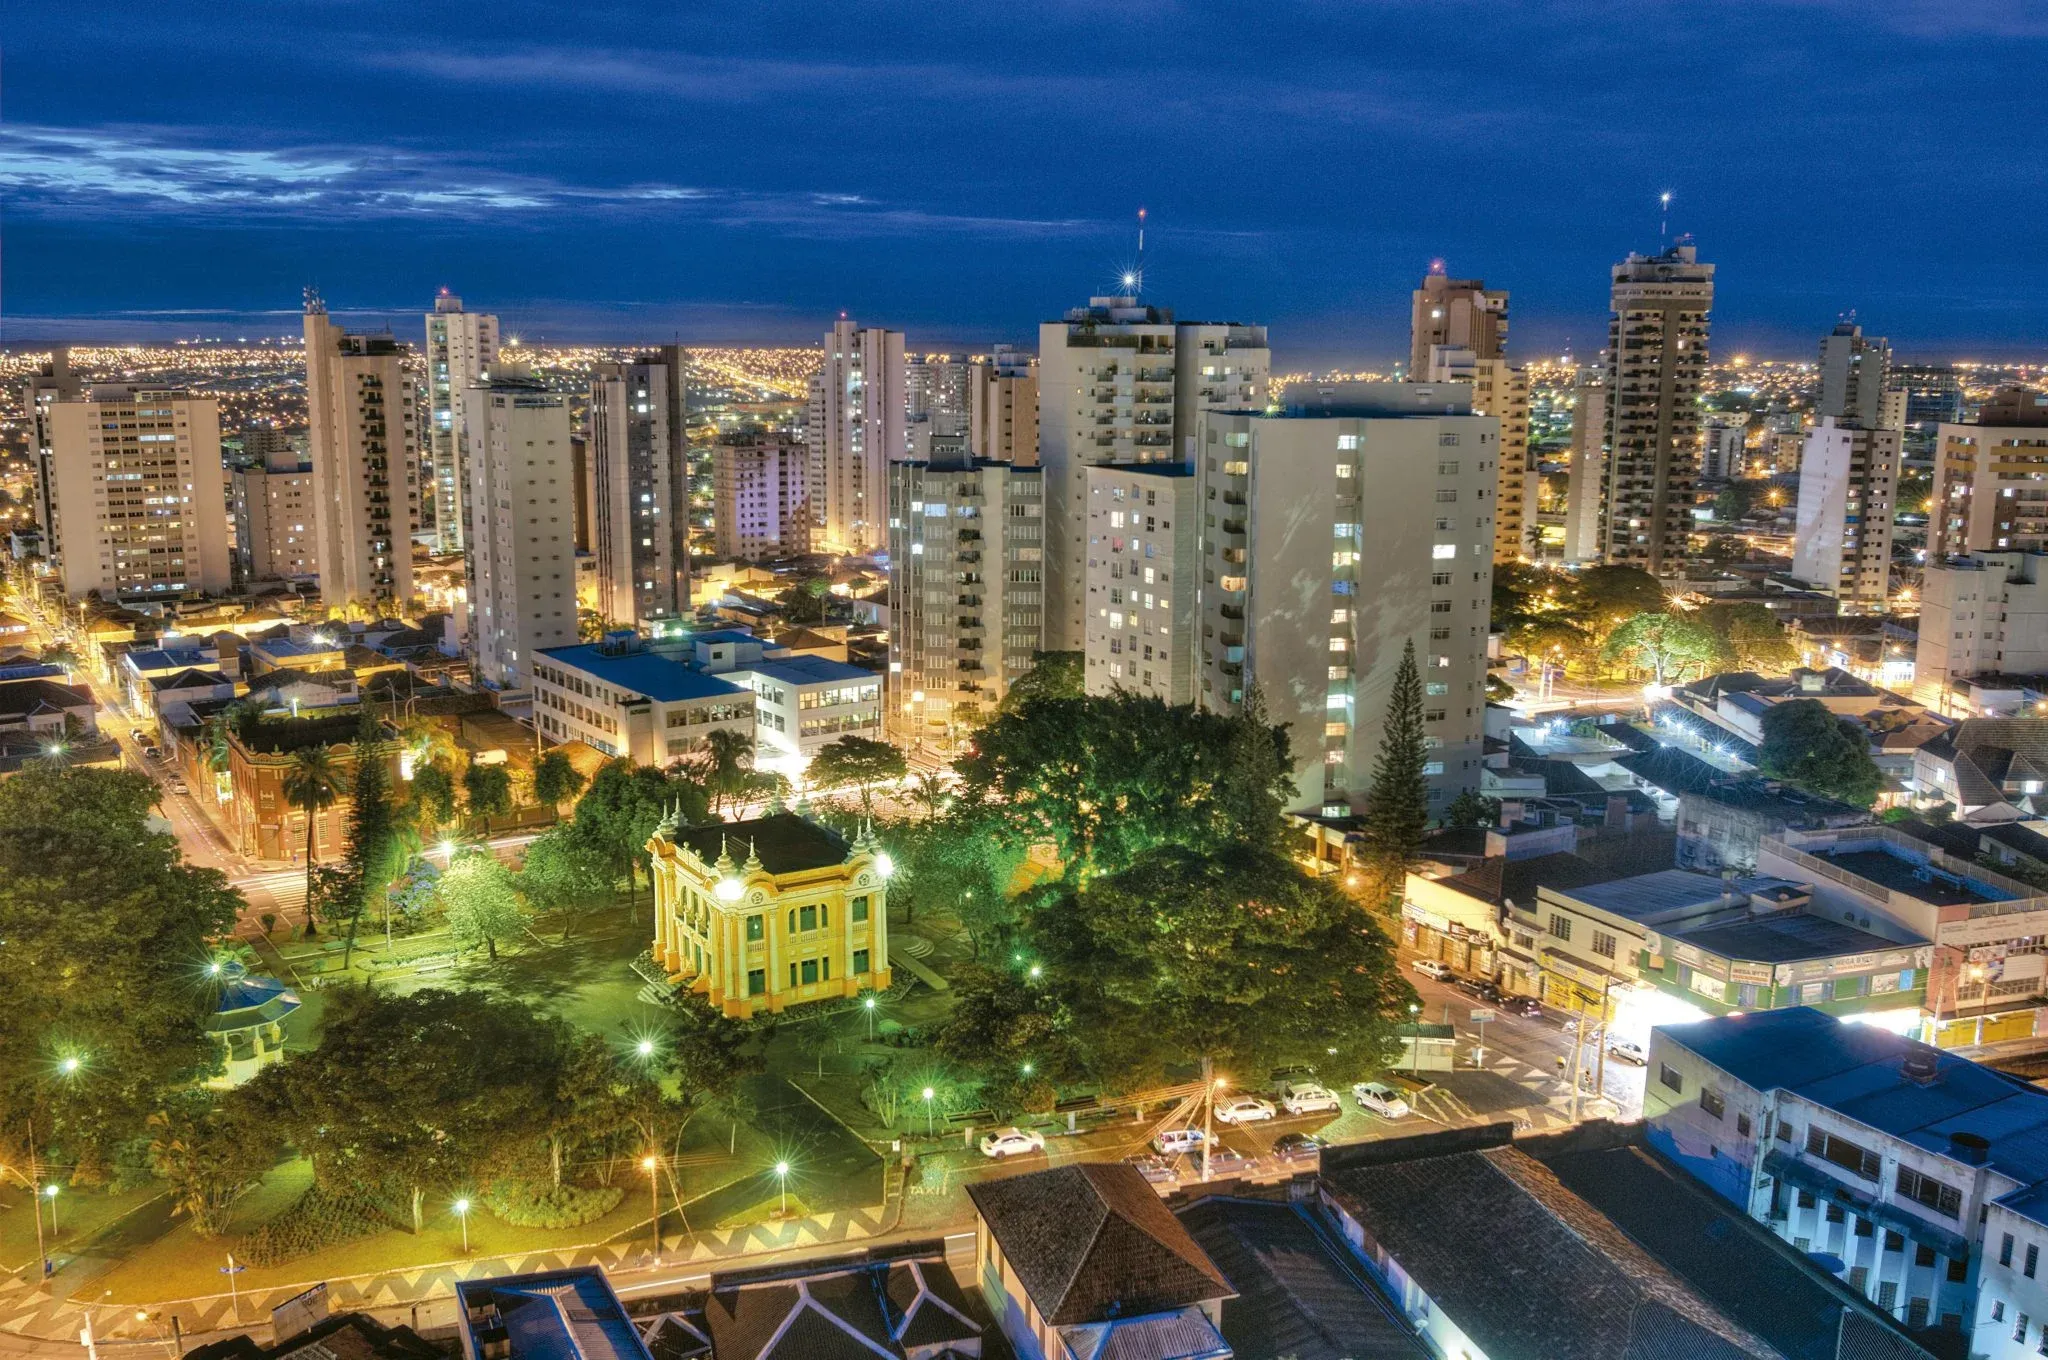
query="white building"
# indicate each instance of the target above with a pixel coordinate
(802, 704)
(758, 505)
(1854, 369)
(363, 415)
(48, 385)
(966, 604)
(1143, 576)
(140, 505)
(1121, 382)
(1842, 542)
(624, 697)
(1586, 486)
(1358, 521)
(461, 348)
(856, 427)
(1002, 408)
(1991, 479)
(1986, 614)
(638, 460)
(273, 515)
(1501, 390)
(1724, 450)
(522, 509)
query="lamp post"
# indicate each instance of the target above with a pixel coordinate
(782, 1179)
(867, 1004)
(929, 1129)
(50, 1194)
(652, 1166)
(462, 1212)
(1415, 1040)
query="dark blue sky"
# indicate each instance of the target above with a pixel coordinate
(742, 171)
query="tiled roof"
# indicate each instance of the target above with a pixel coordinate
(1092, 1241)
(26, 698)
(784, 842)
(1498, 880)
(1183, 1334)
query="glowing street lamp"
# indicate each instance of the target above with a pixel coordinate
(645, 1048)
(884, 865)
(50, 1194)
(867, 1004)
(928, 1128)
(782, 1176)
(70, 1064)
(462, 1212)
(1034, 972)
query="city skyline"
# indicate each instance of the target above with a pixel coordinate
(721, 177)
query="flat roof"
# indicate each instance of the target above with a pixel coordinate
(1789, 937)
(660, 678)
(808, 670)
(1879, 865)
(1648, 895)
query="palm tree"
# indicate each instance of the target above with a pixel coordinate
(313, 781)
(61, 654)
(928, 791)
(728, 755)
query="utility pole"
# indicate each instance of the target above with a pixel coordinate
(1578, 1045)
(1208, 1113)
(35, 1195)
(1600, 1054)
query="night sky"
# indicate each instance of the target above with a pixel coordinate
(744, 171)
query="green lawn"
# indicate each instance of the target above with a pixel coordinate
(80, 1214)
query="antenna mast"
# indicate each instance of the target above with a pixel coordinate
(1664, 221)
(1139, 291)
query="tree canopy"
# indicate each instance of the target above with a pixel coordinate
(1397, 807)
(478, 898)
(858, 761)
(1666, 645)
(1053, 675)
(1752, 637)
(1829, 755)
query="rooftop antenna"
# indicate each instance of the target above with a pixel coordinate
(1141, 253)
(1664, 221)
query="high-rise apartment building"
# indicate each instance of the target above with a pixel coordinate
(757, 494)
(48, 385)
(1002, 408)
(1143, 578)
(966, 594)
(1933, 397)
(363, 413)
(461, 348)
(1842, 542)
(1459, 313)
(1355, 523)
(1991, 479)
(1121, 382)
(522, 531)
(140, 505)
(857, 426)
(1724, 448)
(1585, 495)
(1656, 366)
(1501, 390)
(1853, 376)
(936, 385)
(1985, 614)
(272, 503)
(638, 455)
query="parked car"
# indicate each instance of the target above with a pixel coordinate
(1471, 986)
(1430, 968)
(1521, 1005)
(1297, 1147)
(1157, 1170)
(1243, 1110)
(177, 786)
(1173, 1142)
(1305, 1097)
(1011, 1143)
(1628, 1050)
(1380, 1098)
(152, 753)
(1224, 1161)
(137, 735)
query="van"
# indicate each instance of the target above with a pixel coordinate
(1430, 968)
(1173, 1142)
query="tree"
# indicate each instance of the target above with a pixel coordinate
(487, 791)
(433, 797)
(1002, 1029)
(959, 864)
(62, 654)
(1753, 636)
(208, 1149)
(1397, 807)
(1809, 745)
(1472, 809)
(807, 601)
(312, 783)
(1602, 598)
(928, 791)
(555, 780)
(859, 761)
(481, 906)
(617, 814)
(1053, 675)
(372, 855)
(1258, 777)
(725, 760)
(1666, 645)
(566, 874)
(103, 925)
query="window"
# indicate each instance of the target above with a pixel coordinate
(1835, 1214)
(1711, 1103)
(860, 962)
(1444, 551)
(2005, 1251)
(2033, 1259)
(1923, 1255)
(1560, 926)
(1603, 944)
(1943, 1199)
(1742, 1125)
(1667, 1076)
(1958, 1269)
(1843, 1153)
(1894, 1241)
(2019, 1328)
(860, 913)
(757, 978)
(1998, 1310)
(806, 919)
(755, 928)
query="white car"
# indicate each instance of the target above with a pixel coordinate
(1628, 1051)
(1380, 1098)
(1305, 1097)
(1173, 1142)
(1012, 1143)
(1243, 1110)
(1430, 968)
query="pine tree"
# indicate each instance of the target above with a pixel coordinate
(369, 856)
(1397, 811)
(1255, 786)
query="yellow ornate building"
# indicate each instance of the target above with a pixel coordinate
(770, 913)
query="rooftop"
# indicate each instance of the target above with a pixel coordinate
(1648, 897)
(810, 670)
(550, 1315)
(1787, 937)
(784, 843)
(660, 678)
(1882, 865)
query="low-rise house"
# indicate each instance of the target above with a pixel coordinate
(571, 1314)
(39, 707)
(1721, 823)
(186, 686)
(1988, 769)
(138, 667)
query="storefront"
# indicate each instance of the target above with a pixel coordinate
(1462, 948)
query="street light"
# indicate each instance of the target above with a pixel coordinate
(1035, 971)
(462, 1212)
(50, 1194)
(1415, 1040)
(867, 1003)
(645, 1048)
(782, 1175)
(928, 1094)
(652, 1166)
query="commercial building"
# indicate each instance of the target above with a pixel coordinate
(1854, 374)
(803, 704)
(857, 427)
(140, 503)
(1351, 526)
(624, 697)
(1842, 542)
(1500, 390)
(1002, 408)
(1991, 479)
(764, 914)
(461, 348)
(759, 508)
(1985, 614)
(273, 516)
(1121, 382)
(1143, 579)
(522, 548)
(40, 391)
(966, 593)
(363, 415)
(1657, 341)
(638, 459)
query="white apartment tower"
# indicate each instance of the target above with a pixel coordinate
(461, 348)
(48, 385)
(1334, 534)
(273, 514)
(1842, 542)
(757, 494)
(1853, 371)
(1143, 578)
(1586, 485)
(856, 428)
(363, 412)
(1985, 614)
(1656, 367)
(140, 501)
(522, 550)
(1002, 408)
(1501, 390)
(1724, 449)
(638, 456)
(1121, 382)
(966, 594)
(1991, 479)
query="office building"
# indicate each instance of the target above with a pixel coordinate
(856, 428)
(140, 504)
(1842, 542)
(273, 513)
(461, 348)
(1985, 614)
(646, 701)
(1357, 522)
(768, 913)
(759, 509)
(1143, 576)
(1656, 367)
(1457, 314)
(1991, 479)
(51, 383)
(1500, 390)
(638, 456)
(1933, 396)
(1585, 494)
(1121, 382)
(363, 414)
(1002, 408)
(1854, 374)
(966, 593)
(522, 532)
(1724, 449)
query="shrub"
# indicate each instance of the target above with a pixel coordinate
(319, 1219)
(528, 1205)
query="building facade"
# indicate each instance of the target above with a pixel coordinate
(461, 348)
(1002, 408)
(1143, 578)
(1854, 374)
(522, 547)
(857, 426)
(1456, 314)
(758, 505)
(1500, 390)
(273, 514)
(363, 416)
(1585, 496)
(622, 697)
(1842, 542)
(1991, 479)
(51, 383)
(1986, 614)
(638, 458)
(1724, 451)
(1657, 340)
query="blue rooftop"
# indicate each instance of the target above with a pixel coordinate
(810, 670)
(1647, 897)
(550, 1315)
(724, 635)
(658, 677)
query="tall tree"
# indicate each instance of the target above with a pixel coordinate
(1666, 645)
(555, 779)
(725, 760)
(433, 798)
(313, 782)
(486, 791)
(1811, 746)
(372, 855)
(1752, 636)
(1397, 808)
(858, 761)
(477, 895)
(566, 875)
(1259, 777)
(208, 1149)
(617, 814)
(1053, 675)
